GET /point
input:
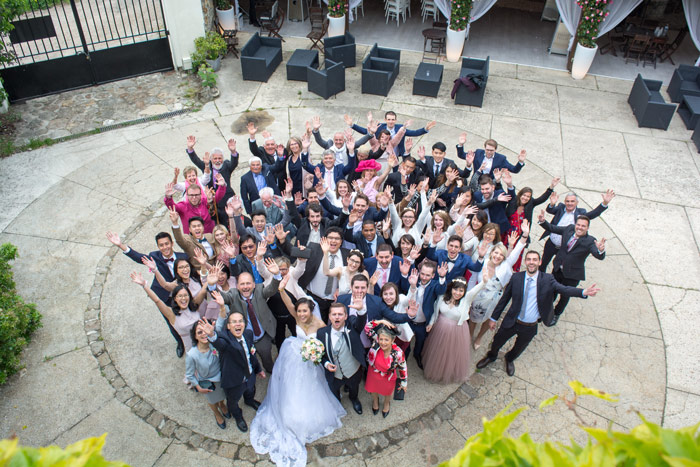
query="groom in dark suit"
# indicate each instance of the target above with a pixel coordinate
(531, 303)
(344, 355)
(239, 365)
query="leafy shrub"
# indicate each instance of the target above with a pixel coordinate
(18, 320)
(646, 444)
(459, 16)
(208, 47)
(336, 8)
(84, 453)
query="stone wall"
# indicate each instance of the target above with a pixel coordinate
(209, 12)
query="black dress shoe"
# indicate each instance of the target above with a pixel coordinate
(346, 389)
(386, 414)
(375, 411)
(227, 415)
(484, 362)
(221, 425)
(180, 351)
(510, 368)
(555, 319)
(254, 404)
(419, 362)
(357, 406)
(242, 425)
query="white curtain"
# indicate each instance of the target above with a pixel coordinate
(479, 9)
(692, 17)
(570, 14)
(353, 4)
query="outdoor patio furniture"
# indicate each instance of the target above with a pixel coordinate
(229, 36)
(656, 47)
(689, 110)
(317, 33)
(379, 70)
(260, 57)
(616, 40)
(673, 46)
(636, 48)
(685, 81)
(427, 80)
(300, 60)
(327, 82)
(274, 23)
(648, 104)
(433, 43)
(341, 49)
(473, 66)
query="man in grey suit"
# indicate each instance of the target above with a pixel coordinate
(250, 299)
(274, 213)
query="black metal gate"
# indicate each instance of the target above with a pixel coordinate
(68, 44)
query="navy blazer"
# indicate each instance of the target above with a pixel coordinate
(163, 268)
(400, 149)
(376, 309)
(572, 262)
(546, 287)
(499, 161)
(432, 291)
(234, 365)
(339, 170)
(560, 209)
(354, 326)
(461, 264)
(394, 181)
(361, 243)
(250, 192)
(394, 273)
(497, 211)
(428, 168)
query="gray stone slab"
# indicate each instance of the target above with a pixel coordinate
(694, 217)
(682, 409)
(558, 77)
(67, 270)
(620, 86)
(678, 315)
(170, 145)
(587, 150)
(52, 397)
(123, 429)
(595, 109)
(515, 98)
(178, 454)
(663, 182)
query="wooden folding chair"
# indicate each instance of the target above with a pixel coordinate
(316, 36)
(636, 47)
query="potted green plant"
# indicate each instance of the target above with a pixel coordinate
(225, 14)
(336, 18)
(593, 12)
(208, 81)
(209, 49)
(457, 29)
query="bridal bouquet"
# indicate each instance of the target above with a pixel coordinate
(312, 351)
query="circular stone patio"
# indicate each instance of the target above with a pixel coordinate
(104, 360)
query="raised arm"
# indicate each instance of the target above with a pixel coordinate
(162, 307)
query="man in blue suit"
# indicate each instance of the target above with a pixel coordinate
(367, 241)
(426, 288)
(165, 259)
(496, 212)
(565, 214)
(255, 180)
(326, 168)
(387, 265)
(392, 127)
(486, 161)
(457, 263)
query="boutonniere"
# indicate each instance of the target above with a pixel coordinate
(215, 352)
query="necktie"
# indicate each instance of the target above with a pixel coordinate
(329, 281)
(253, 319)
(437, 169)
(527, 291)
(385, 276)
(247, 354)
(571, 243)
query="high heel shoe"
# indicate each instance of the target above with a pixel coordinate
(375, 411)
(386, 414)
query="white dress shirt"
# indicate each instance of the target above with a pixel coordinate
(566, 219)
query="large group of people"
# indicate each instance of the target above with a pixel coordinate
(377, 251)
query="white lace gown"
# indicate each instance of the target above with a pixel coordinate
(298, 409)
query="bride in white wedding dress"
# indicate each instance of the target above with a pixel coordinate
(299, 408)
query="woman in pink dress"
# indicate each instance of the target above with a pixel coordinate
(386, 364)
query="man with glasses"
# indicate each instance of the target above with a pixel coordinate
(486, 160)
(321, 287)
(192, 205)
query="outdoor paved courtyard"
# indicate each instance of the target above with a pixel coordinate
(103, 362)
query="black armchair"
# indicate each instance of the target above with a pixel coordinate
(260, 57)
(473, 66)
(379, 70)
(685, 82)
(328, 82)
(648, 104)
(341, 49)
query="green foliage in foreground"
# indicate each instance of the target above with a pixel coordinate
(646, 444)
(18, 320)
(85, 453)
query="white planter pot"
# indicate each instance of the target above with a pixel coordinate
(454, 44)
(336, 26)
(583, 58)
(227, 18)
(4, 105)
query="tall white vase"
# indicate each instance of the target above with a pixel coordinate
(454, 44)
(583, 58)
(4, 105)
(336, 26)
(227, 18)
